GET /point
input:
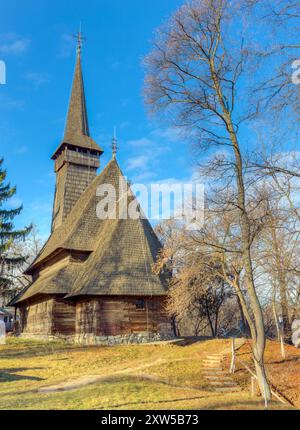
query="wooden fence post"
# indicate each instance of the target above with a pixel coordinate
(232, 365)
(282, 347)
(252, 386)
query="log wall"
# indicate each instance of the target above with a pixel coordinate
(110, 316)
(36, 317)
(63, 318)
(100, 316)
(48, 316)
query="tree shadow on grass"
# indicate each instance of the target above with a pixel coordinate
(190, 340)
(10, 375)
(215, 405)
(247, 405)
(148, 402)
(291, 359)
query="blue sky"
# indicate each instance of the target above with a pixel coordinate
(37, 46)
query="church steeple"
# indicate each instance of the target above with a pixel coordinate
(114, 144)
(77, 120)
(77, 157)
(76, 131)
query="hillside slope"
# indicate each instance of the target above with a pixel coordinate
(153, 376)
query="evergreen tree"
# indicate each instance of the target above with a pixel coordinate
(10, 261)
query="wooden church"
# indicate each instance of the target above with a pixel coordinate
(93, 281)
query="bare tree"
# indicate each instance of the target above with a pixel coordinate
(281, 48)
(193, 74)
(278, 83)
(198, 293)
(30, 248)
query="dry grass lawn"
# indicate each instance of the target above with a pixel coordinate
(157, 376)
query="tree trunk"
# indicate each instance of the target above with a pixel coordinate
(259, 338)
(210, 322)
(216, 323)
(262, 381)
(243, 318)
(258, 333)
(280, 275)
(174, 326)
(276, 317)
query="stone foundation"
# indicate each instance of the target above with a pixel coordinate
(91, 339)
(123, 339)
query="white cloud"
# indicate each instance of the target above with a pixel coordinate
(13, 44)
(9, 103)
(115, 64)
(145, 176)
(170, 134)
(124, 124)
(141, 143)
(67, 46)
(39, 212)
(21, 150)
(138, 162)
(147, 150)
(14, 202)
(37, 78)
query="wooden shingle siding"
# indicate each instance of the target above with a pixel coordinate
(71, 181)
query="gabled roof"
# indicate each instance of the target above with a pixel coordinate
(80, 229)
(122, 263)
(123, 251)
(56, 282)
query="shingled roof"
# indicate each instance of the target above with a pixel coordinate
(77, 129)
(122, 251)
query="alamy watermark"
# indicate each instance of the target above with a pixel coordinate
(2, 72)
(183, 202)
(296, 73)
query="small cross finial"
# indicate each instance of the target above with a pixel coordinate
(114, 143)
(79, 39)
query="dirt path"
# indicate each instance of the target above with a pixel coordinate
(92, 379)
(212, 371)
(134, 371)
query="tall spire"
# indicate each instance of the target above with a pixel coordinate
(80, 39)
(77, 121)
(114, 144)
(77, 156)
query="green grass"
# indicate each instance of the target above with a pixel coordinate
(161, 376)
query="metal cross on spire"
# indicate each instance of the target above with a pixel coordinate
(114, 143)
(79, 39)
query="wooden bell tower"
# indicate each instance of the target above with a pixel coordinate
(77, 157)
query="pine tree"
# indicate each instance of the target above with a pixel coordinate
(10, 261)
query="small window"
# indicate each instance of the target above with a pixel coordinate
(140, 304)
(152, 306)
(5, 319)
